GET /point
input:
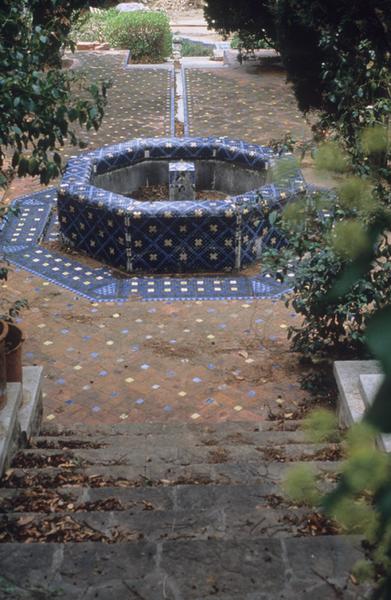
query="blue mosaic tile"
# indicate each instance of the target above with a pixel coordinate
(26, 223)
(99, 284)
(171, 236)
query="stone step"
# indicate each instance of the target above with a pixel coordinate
(146, 498)
(209, 523)
(246, 569)
(147, 454)
(160, 474)
(182, 497)
(157, 429)
(180, 439)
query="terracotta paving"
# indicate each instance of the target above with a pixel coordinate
(141, 361)
(253, 104)
(137, 361)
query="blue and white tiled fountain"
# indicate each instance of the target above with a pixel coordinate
(93, 212)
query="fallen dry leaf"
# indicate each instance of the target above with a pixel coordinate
(25, 520)
(238, 377)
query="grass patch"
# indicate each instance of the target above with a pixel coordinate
(190, 48)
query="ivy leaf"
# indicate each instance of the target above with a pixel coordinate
(378, 336)
(273, 217)
(379, 414)
(358, 267)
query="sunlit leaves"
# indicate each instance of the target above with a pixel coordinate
(361, 435)
(349, 238)
(355, 516)
(283, 170)
(364, 571)
(295, 215)
(321, 426)
(374, 139)
(366, 469)
(356, 193)
(300, 485)
(330, 157)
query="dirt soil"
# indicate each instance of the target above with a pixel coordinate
(153, 193)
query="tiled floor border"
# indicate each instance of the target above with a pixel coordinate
(24, 241)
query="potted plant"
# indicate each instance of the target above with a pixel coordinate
(11, 336)
(13, 352)
(3, 376)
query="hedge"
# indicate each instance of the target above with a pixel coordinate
(146, 34)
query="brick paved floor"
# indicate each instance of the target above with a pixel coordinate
(140, 361)
(252, 104)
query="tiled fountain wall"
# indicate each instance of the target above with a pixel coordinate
(172, 236)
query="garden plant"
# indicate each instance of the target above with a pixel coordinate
(146, 35)
(337, 56)
(39, 110)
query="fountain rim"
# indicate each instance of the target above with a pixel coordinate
(81, 169)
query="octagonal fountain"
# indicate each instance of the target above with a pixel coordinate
(173, 205)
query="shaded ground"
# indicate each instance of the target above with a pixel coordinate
(249, 103)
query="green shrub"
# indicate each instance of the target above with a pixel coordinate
(190, 48)
(244, 41)
(146, 34)
(329, 237)
(90, 27)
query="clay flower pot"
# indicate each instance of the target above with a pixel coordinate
(13, 353)
(3, 371)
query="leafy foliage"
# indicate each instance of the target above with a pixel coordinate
(357, 269)
(321, 426)
(41, 105)
(146, 34)
(11, 309)
(252, 19)
(89, 27)
(190, 48)
(360, 502)
(246, 44)
(327, 239)
(300, 485)
(337, 56)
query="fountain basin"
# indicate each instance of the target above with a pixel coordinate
(97, 218)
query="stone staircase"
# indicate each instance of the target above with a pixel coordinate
(169, 512)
